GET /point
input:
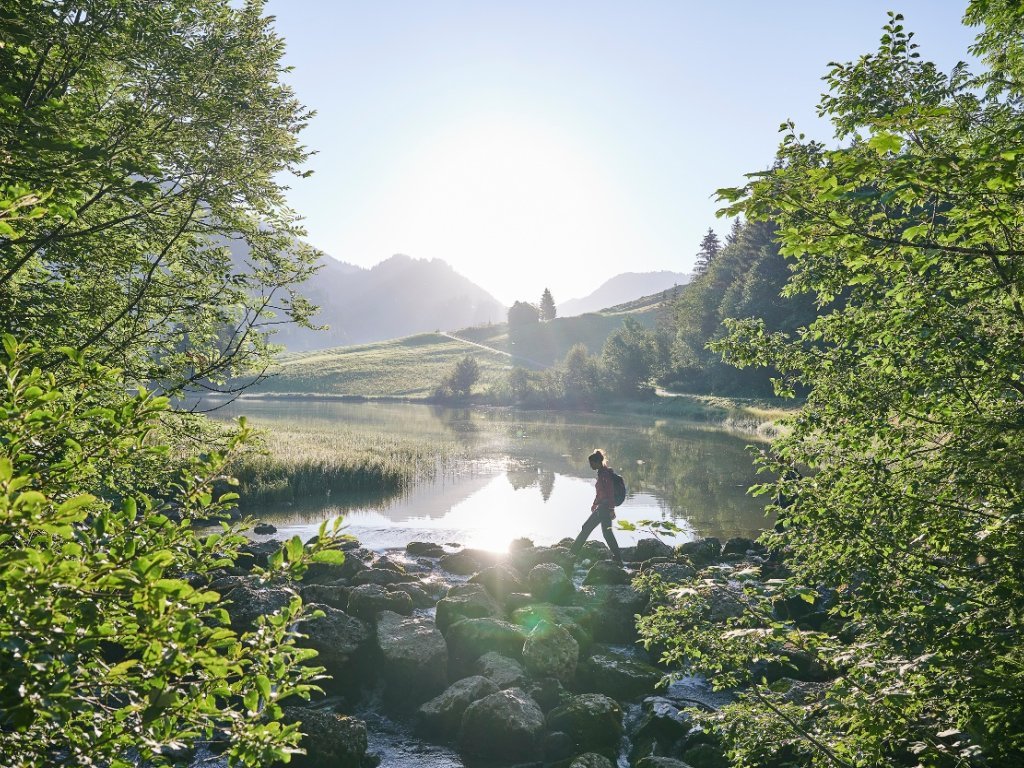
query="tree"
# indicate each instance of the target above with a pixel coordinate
(113, 648)
(906, 532)
(629, 356)
(709, 249)
(547, 306)
(460, 380)
(522, 314)
(157, 133)
(581, 376)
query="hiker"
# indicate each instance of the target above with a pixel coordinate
(602, 510)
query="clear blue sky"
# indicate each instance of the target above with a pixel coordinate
(555, 144)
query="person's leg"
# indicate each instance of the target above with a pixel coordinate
(609, 537)
(589, 525)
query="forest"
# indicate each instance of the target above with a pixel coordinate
(877, 277)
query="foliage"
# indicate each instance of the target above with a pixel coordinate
(906, 531)
(547, 306)
(459, 381)
(629, 357)
(744, 280)
(109, 639)
(710, 246)
(153, 137)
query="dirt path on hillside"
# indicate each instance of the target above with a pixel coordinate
(534, 363)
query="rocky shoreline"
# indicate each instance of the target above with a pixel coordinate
(518, 658)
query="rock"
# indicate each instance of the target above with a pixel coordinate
(670, 573)
(419, 596)
(591, 760)
(264, 529)
(441, 716)
(468, 561)
(617, 675)
(606, 572)
(332, 573)
(331, 740)
(661, 762)
(367, 600)
(414, 656)
(342, 643)
(499, 580)
(334, 595)
(518, 545)
(613, 611)
(723, 604)
(526, 559)
(558, 746)
(248, 603)
(500, 670)
(662, 729)
(547, 692)
(256, 553)
(424, 549)
(699, 756)
(464, 601)
(595, 550)
(381, 576)
(549, 583)
(470, 639)
(550, 651)
(649, 548)
(592, 720)
(740, 545)
(575, 619)
(505, 726)
(700, 552)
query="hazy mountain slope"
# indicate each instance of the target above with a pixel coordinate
(398, 297)
(622, 288)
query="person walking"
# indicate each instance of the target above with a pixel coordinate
(602, 511)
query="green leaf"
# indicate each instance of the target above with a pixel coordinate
(330, 556)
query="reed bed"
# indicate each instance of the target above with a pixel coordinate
(295, 463)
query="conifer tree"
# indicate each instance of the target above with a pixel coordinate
(547, 306)
(710, 246)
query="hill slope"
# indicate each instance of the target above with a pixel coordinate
(623, 288)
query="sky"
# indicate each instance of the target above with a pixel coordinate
(538, 145)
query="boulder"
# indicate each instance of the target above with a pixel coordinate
(558, 746)
(424, 549)
(575, 619)
(723, 604)
(332, 573)
(256, 553)
(704, 755)
(606, 572)
(264, 529)
(334, 595)
(506, 726)
(670, 573)
(441, 717)
(248, 603)
(549, 583)
(740, 545)
(649, 548)
(468, 561)
(661, 730)
(464, 601)
(470, 639)
(701, 552)
(615, 674)
(342, 643)
(381, 576)
(331, 740)
(547, 692)
(591, 760)
(661, 762)
(613, 611)
(518, 545)
(550, 651)
(524, 560)
(500, 670)
(368, 600)
(499, 580)
(419, 596)
(414, 657)
(594, 722)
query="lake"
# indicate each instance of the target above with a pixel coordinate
(522, 474)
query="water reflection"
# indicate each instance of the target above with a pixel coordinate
(527, 475)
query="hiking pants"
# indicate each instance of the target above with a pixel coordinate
(602, 516)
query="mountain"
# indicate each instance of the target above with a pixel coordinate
(623, 288)
(398, 297)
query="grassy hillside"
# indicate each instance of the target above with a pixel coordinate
(413, 366)
(409, 367)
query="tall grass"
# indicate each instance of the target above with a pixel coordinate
(310, 461)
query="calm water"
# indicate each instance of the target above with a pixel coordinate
(524, 474)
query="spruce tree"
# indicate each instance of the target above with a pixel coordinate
(547, 306)
(710, 246)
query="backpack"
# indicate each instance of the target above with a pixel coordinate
(620, 488)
